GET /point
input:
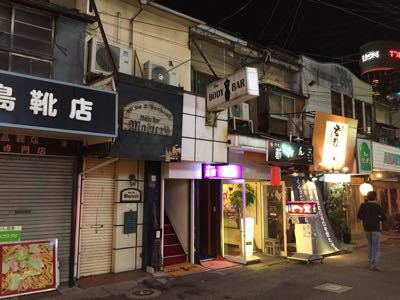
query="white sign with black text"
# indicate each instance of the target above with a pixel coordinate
(237, 88)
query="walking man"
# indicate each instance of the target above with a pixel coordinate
(371, 213)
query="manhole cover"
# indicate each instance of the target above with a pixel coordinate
(143, 294)
(334, 288)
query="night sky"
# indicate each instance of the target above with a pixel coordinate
(312, 27)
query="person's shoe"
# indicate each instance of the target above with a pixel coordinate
(374, 268)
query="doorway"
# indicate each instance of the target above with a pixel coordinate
(207, 221)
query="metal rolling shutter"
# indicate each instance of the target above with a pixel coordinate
(97, 212)
(36, 193)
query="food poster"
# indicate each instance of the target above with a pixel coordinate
(28, 267)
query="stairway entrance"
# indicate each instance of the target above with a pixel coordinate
(176, 222)
(173, 251)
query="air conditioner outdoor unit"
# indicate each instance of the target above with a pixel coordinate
(100, 61)
(295, 127)
(240, 111)
(160, 73)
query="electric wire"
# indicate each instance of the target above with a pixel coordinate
(293, 22)
(261, 34)
(234, 13)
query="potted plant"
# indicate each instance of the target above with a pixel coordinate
(336, 206)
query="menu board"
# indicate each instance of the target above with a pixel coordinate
(28, 267)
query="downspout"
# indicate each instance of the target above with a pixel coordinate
(142, 4)
(78, 210)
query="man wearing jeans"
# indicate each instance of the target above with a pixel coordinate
(371, 213)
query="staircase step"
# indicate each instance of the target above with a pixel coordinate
(168, 229)
(173, 260)
(170, 239)
(173, 250)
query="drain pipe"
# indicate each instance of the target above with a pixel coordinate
(78, 210)
(142, 3)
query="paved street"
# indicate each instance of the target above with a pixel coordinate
(262, 281)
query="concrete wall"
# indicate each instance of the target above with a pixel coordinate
(202, 143)
(127, 248)
(69, 50)
(177, 203)
(157, 36)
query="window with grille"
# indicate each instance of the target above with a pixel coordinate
(26, 41)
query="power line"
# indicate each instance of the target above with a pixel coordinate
(354, 14)
(235, 12)
(293, 21)
(260, 35)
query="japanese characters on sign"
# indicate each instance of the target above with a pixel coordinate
(44, 104)
(280, 151)
(222, 171)
(10, 234)
(34, 145)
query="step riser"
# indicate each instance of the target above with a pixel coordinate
(168, 229)
(173, 250)
(170, 240)
(174, 260)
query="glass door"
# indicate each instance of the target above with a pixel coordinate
(237, 229)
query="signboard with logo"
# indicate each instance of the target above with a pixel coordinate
(131, 195)
(301, 208)
(150, 117)
(285, 152)
(10, 233)
(385, 157)
(334, 139)
(222, 171)
(28, 267)
(380, 56)
(42, 104)
(239, 87)
(364, 156)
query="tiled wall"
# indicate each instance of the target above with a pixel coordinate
(202, 143)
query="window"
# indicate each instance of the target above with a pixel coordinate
(348, 106)
(26, 41)
(200, 81)
(336, 102)
(368, 117)
(358, 109)
(281, 108)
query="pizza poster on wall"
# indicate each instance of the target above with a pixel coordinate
(28, 267)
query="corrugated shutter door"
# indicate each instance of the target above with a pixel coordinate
(97, 212)
(36, 193)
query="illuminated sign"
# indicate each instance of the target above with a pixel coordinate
(222, 171)
(301, 208)
(370, 55)
(391, 158)
(333, 141)
(280, 151)
(394, 53)
(337, 178)
(334, 152)
(380, 56)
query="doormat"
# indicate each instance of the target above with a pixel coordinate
(218, 263)
(334, 288)
(183, 269)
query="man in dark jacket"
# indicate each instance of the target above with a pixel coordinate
(371, 213)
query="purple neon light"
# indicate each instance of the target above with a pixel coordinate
(222, 171)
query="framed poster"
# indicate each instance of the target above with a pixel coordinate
(28, 267)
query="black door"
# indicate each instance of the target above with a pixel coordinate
(208, 219)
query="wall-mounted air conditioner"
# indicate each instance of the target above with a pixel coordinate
(240, 111)
(295, 127)
(99, 61)
(160, 73)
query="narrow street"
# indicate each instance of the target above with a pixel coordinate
(262, 281)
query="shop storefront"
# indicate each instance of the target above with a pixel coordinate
(385, 180)
(43, 126)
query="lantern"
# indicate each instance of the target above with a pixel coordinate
(275, 176)
(365, 188)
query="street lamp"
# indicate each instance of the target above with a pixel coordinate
(365, 188)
